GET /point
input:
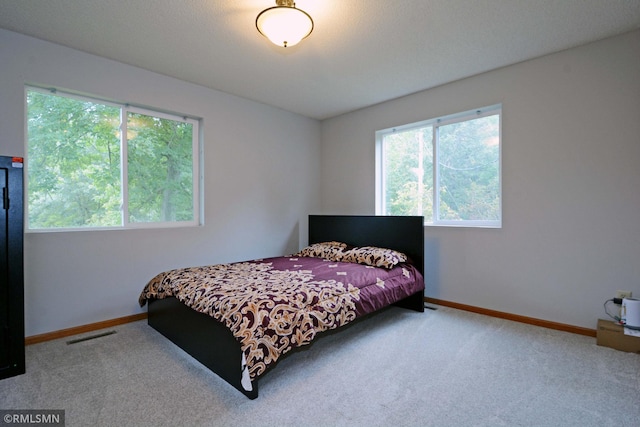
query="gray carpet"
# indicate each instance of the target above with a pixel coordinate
(397, 368)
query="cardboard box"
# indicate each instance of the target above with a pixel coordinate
(611, 334)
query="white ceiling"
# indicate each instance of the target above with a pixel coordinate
(360, 53)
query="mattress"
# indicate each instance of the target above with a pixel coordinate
(274, 305)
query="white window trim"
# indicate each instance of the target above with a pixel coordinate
(197, 178)
(435, 124)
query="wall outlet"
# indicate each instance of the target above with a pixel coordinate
(623, 294)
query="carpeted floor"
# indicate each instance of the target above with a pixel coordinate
(397, 368)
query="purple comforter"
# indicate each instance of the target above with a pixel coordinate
(274, 305)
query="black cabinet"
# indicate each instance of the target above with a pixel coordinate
(11, 268)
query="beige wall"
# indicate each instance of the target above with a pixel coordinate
(261, 180)
(571, 183)
(571, 150)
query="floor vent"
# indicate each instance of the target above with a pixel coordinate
(91, 337)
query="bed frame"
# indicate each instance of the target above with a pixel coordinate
(213, 345)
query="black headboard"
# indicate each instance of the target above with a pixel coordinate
(402, 233)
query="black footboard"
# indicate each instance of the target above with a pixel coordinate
(203, 337)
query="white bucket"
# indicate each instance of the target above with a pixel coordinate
(630, 312)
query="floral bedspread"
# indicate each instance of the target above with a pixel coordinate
(276, 304)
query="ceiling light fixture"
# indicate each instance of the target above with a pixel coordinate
(284, 24)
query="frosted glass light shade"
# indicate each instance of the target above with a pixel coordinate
(284, 25)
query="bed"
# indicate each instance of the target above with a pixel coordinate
(318, 291)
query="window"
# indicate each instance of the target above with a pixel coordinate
(94, 164)
(447, 169)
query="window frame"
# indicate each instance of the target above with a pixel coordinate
(125, 108)
(436, 123)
